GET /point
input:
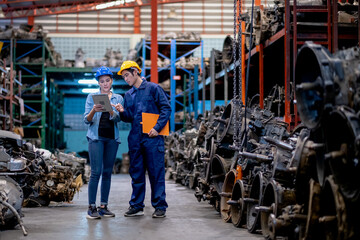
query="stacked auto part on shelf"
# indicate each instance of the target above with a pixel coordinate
(302, 184)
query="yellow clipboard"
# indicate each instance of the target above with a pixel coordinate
(149, 120)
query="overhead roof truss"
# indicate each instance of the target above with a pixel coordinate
(20, 8)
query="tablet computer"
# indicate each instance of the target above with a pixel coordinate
(104, 100)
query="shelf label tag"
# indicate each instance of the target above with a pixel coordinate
(177, 77)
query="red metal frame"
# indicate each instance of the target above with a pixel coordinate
(287, 117)
(154, 43)
(77, 22)
(330, 38)
(222, 16)
(68, 7)
(203, 18)
(31, 20)
(162, 19)
(320, 38)
(335, 27)
(137, 19)
(182, 20)
(57, 22)
(119, 20)
(260, 49)
(98, 22)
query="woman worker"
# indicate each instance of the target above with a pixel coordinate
(103, 139)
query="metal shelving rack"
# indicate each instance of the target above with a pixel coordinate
(36, 93)
(55, 117)
(10, 98)
(290, 39)
(173, 50)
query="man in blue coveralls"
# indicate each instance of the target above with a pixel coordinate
(146, 150)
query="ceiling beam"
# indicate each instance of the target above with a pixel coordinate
(70, 7)
(17, 1)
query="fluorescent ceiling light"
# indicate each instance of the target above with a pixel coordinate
(90, 90)
(88, 74)
(113, 4)
(88, 81)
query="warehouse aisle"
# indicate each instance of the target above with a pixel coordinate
(186, 219)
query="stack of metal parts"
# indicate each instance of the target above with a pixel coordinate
(23, 32)
(266, 23)
(303, 184)
(193, 36)
(34, 177)
(111, 58)
(30, 32)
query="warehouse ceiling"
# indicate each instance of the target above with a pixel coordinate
(28, 8)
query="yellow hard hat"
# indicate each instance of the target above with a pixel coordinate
(127, 65)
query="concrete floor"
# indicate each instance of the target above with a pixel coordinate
(186, 218)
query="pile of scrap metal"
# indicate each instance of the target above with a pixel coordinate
(192, 36)
(33, 177)
(23, 32)
(266, 23)
(30, 32)
(303, 184)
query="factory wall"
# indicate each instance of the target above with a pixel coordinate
(95, 46)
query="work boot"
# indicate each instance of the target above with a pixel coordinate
(159, 213)
(105, 212)
(132, 212)
(92, 213)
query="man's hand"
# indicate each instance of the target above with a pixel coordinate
(98, 107)
(153, 133)
(118, 107)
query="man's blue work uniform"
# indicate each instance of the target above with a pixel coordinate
(146, 153)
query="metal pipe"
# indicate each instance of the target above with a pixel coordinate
(255, 156)
(212, 77)
(154, 43)
(226, 85)
(203, 79)
(16, 215)
(279, 143)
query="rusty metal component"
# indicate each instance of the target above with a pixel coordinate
(219, 167)
(225, 128)
(328, 96)
(299, 185)
(275, 198)
(267, 22)
(255, 195)
(257, 157)
(333, 213)
(275, 101)
(237, 203)
(225, 208)
(227, 51)
(11, 199)
(42, 176)
(343, 150)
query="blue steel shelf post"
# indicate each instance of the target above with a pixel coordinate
(191, 89)
(172, 83)
(202, 78)
(196, 90)
(143, 72)
(189, 92)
